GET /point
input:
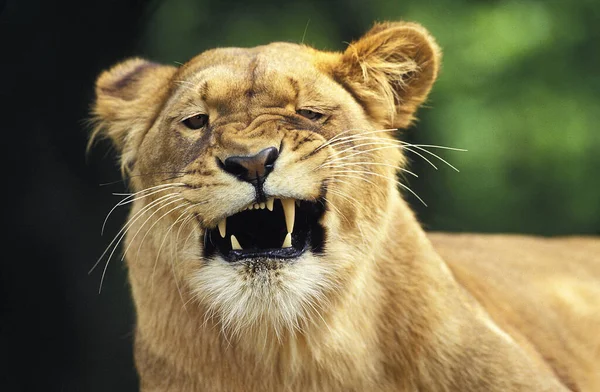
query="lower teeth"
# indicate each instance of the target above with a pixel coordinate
(235, 245)
(287, 242)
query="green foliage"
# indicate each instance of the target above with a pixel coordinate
(519, 90)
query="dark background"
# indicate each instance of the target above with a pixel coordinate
(519, 90)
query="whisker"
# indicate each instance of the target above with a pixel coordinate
(336, 140)
(428, 152)
(355, 177)
(360, 152)
(188, 219)
(440, 147)
(346, 196)
(130, 221)
(148, 231)
(381, 175)
(421, 148)
(167, 233)
(413, 192)
(355, 147)
(335, 165)
(336, 157)
(356, 137)
(115, 248)
(189, 236)
(137, 255)
(179, 174)
(131, 197)
(338, 136)
(329, 202)
(362, 172)
(354, 203)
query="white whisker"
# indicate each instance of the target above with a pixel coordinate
(337, 136)
(360, 152)
(358, 137)
(349, 198)
(355, 147)
(361, 136)
(117, 245)
(428, 152)
(130, 221)
(329, 202)
(137, 255)
(440, 147)
(380, 175)
(167, 233)
(355, 177)
(131, 197)
(338, 139)
(187, 219)
(413, 192)
(144, 224)
(336, 165)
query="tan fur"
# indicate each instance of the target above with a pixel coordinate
(386, 307)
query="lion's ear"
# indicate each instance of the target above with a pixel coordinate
(390, 70)
(127, 98)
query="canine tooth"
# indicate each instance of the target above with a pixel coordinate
(223, 227)
(262, 206)
(270, 202)
(287, 242)
(235, 245)
(289, 209)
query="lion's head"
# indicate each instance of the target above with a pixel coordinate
(264, 177)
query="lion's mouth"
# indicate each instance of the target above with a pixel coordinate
(277, 229)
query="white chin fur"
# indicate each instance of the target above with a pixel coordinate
(244, 299)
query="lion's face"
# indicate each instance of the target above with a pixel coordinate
(272, 170)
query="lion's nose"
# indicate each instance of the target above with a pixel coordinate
(253, 169)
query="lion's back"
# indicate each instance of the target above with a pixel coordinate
(542, 291)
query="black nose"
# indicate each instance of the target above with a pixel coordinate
(253, 169)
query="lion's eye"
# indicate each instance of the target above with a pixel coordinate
(196, 122)
(313, 116)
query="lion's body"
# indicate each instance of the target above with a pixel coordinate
(543, 292)
(371, 304)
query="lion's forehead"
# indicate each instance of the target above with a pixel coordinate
(228, 79)
(285, 56)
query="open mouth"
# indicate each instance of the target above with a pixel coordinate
(277, 229)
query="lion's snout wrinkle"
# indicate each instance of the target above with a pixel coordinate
(329, 283)
(246, 138)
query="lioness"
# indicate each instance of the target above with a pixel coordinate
(269, 247)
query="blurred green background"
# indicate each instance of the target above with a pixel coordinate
(519, 89)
